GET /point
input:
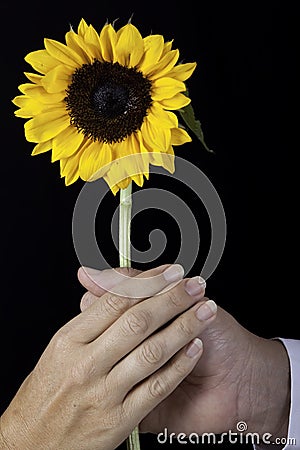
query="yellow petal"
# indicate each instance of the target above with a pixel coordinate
(22, 101)
(166, 88)
(167, 47)
(26, 88)
(143, 160)
(70, 178)
(42, 147)
(153, 47)
(82, 27)
(165, 64)
(155, 157)
(63, 53)
(132, 164)
(183, 71)
(95, 160)
(138, 165)
(176, 102)
(39, 94)
(34, 77)
(91, 37)
(120, 169)
(168, 160)
(135, 44)
(141, 164)
(128, 163)
(179, 136)
(47, 125)
(108, 40)
(79, 45)
(129, 46)
(165, 160)
(41, 61)
(135, 56)
(159, 117)
(24, 113)
(73, 41)
(66, 143)
(28, 107)
(69, 168)
(124, 183)
(57, 79)
(115, 187)
(157, 138)
(138, 179)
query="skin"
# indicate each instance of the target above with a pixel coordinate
(240, 377)
(109, 367)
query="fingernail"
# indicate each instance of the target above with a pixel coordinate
(173, 273)
(195, 286)
(194, 348)
(206, 310)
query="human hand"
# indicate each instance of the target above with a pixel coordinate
(240, 377)
(107, 368)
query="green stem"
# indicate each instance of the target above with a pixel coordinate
(133, 440)
(124, 226)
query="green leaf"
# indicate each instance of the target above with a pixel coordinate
(188, 116)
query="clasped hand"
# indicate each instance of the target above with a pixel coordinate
(110, 366)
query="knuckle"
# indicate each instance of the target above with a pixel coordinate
(82, 371)
(159, 388)
(111, 420)
(61, 339)
(115, 305)
(184, 327)
(151, 353)
(136, 323)
(174, 298)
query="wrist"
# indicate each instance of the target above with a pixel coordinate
(3, 432)
(14, 430)
(267, 389)
(280, 389)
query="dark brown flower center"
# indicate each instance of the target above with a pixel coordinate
(107, 101)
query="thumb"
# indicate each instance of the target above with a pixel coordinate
(100, 281)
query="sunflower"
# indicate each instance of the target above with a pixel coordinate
(102, 96)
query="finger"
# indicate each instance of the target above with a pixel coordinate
(140, 321)
(91, 323)
(155, 351)
(146, 396)
(87, 300)
(100, 281)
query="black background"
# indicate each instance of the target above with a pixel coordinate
(243, 91)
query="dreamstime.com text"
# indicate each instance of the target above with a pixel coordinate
(240, 436)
